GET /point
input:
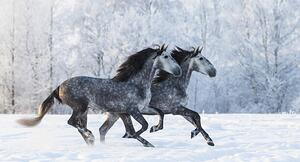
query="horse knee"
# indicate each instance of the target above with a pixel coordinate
(196, 116)
(145, 126)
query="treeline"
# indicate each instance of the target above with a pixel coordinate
(254, 46)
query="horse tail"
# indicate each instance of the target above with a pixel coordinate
(43, 109)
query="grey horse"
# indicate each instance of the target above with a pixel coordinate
(169, 93)
(127, 93)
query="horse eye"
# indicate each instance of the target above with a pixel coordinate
(166, 57)
(201, 58)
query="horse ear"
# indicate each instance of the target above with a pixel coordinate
(166, 47)
(193, 48)
(201, 49)
(178, 48)
(162, 47)
(160, 50)
(157, 46)
(194, 53)
(197, 50)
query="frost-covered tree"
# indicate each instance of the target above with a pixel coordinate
(12, 56)
(252, 44)
(266, 62)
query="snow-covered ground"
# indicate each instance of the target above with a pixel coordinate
(238, 137)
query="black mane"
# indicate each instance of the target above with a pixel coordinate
(180, 56)
(133, 65)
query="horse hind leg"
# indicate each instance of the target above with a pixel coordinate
(160, 124)
(85, 133)
(129, 129)
(136, 114)
(109, 122)
(79, 121)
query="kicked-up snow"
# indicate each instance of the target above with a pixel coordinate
(237, 137)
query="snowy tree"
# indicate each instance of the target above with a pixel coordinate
(254, 46)
(269, 77)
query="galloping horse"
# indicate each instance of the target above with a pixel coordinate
(127, 93)
(169, 93)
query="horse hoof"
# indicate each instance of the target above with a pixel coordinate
(210, 143)
(102, 139)
(89, 138)
(127, 135)
(90, 141)
(148, 145)
(153, 129)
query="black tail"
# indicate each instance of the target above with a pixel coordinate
(44, 108)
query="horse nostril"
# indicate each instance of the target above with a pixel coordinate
(177, 73)
(212, 73)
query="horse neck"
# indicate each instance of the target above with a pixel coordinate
(183, 80)
(143, 77)
(188, 69)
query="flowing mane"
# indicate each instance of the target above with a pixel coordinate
(180, 56)
(133, 65)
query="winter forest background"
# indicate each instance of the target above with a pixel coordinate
(254, 46)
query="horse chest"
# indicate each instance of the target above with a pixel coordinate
(175, 97)
(182, 97)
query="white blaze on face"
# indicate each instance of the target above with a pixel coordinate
(168, 64)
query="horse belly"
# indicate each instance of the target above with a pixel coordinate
(106, 102)
(110, 106)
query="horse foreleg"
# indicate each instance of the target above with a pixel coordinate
(109, 122)
(131, 132)
(136, 114)
(194, 118)
(160, 124)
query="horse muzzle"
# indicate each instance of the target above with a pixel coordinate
(178, 72)
(212, 73)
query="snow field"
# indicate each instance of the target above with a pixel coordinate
(238, 138)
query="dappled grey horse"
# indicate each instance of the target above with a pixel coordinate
(127, 93)
(169, 93)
